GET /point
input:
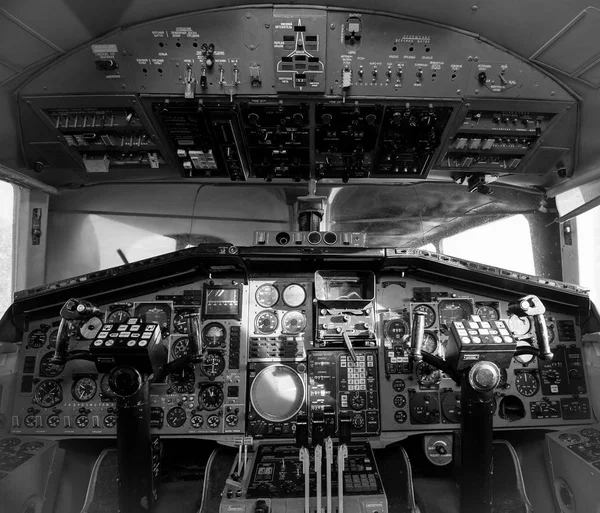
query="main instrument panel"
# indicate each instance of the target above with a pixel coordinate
(326, 345)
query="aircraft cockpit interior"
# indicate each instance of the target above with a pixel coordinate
(299, 258)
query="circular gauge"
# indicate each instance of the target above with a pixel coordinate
(399, 401)
(212, 365)
(213, 421)
(31, 446)
(214, 334)
(570, 438)
(9, 442)
(524, 359)
(526, 384)
(427, 375)
(400, 417)
(52, 339)
(358, 421)
(398, 385)
(53, 421)
(155, 313)
(211, 397)
(180, 322)
(267, 295)
(266, 322)
(451, 408)
(519, 325)
(294, 295)
(357, 401)
(293, 322)
(110, 420)
(231, 420)
(118, 316)
(84, 389)
(30, 421)
(591, 433)
(196, 421)
(49, 369)
(429, 314)
(430, 342)
(82, 421)
(396, 330)
(551, 333)
(488, 313)
(277, 393)
(90, 328)
(105, 389)
(48, 393)
(183, 382)
(36, 339)
(451, 310)
(176, 417)
(180, 348)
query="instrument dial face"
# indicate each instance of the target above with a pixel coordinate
(196, 421)
(266, 322)
(398, 385)
(397, 330)
(105, 389)
(294, 295)
(158, 313)
(399, 401)
(53, 421)
(89, 329)
(519, 325)
(211, 397)
(52, 339)
(400, 417)
(183, 382)
(267, 295)
(527, 384)
(212, 365)
(293, 322)
(570, 438)
(180, 348)
(451, 310)
(82, 421)
(180, 323)
(357, 401)
(176, 417)
(48, 369)
(48, 393)
(9, 442)
(429, 314)
(110, 421)
(36, 339)
(427, 375)
(214, 334)
(118, 316)
(231, 420)
(84, 389)
(213, 421)
(430, 342)
(277, 393)
(488, 313)
(30, 421)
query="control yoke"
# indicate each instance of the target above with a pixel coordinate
(532, 306)
(73, 312)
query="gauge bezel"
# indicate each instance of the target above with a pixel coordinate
(462, 301)
(435, 339)
(221, 396)
(52, 336)
(405, 326)
(267, 305)
(76, 396)
(222, 365)
(491, 307)
(290, 313)
(142, 309)
(111, 320)
(185, 387)
(169, 417)
(36, 331)
(44, 360)
(176, 344)
(430, 309)
(180, 314)
(518, 387)
(58, 386)
(287, 288)
(221, 341)
(259, 315)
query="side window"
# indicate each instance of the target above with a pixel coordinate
(588, 230)
(7, 196)
(481, 245)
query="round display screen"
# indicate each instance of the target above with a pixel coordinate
(277, 393)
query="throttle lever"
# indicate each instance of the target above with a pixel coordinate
(417, 336)
(532, 306)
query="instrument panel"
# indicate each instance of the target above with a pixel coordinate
(267, 361)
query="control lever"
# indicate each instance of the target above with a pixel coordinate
(305, 459)
(328, 462)
(417, 336)
(318, 433)
(532, 306)
(318, 468)
(73, 311)
(349, 345)
(345, 429)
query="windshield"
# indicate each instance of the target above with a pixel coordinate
(103, 226)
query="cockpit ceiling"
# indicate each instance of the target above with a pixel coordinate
(557, 37)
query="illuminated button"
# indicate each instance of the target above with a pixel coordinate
(462, 333)
(493, 332)
(473, 325)
(102, 335)
(497, 339)
(109, 343)
(503, 332)
(131, 343)
(508, 339)
(485, 325)
(476, 340)
(465, 340)
(98, 343)
(143, 343)
(472, 332)
(483, 331)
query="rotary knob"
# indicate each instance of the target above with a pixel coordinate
(484, 376)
